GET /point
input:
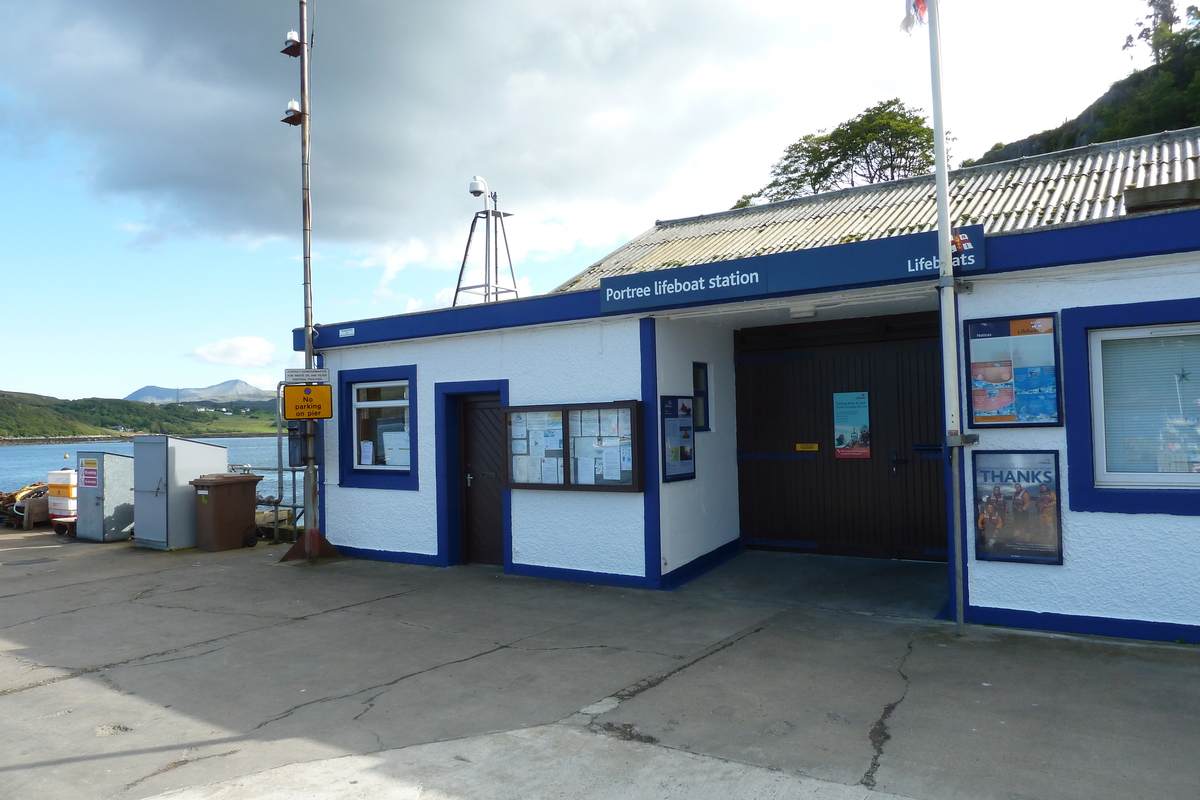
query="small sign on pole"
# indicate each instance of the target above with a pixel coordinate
(308, 402)
(306, 376)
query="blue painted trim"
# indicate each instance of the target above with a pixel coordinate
(1082, 492)
(539, 310)
(700, 565)
(1092, 626)
(348, 473)
(1126, 237)
(394, 556)
(652, 511)
(448, 466)
(583, 576)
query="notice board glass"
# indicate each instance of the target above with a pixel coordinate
(580, 446)
(678, 438)
(1014, 369)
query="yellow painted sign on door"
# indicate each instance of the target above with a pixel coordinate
(308, 402)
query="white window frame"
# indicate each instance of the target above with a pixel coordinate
(357, 404)
(1128, 480)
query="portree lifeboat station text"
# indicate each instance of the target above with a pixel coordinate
(876, 261)
(676, 286)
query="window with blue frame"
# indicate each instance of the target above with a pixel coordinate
(378, 428)
(1132, 407)
(701, 408)
(1146, 406)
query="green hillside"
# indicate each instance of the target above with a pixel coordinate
(35, 416)
(1162, 97)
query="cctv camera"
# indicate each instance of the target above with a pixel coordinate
(478, 186)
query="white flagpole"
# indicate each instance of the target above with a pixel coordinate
(949, 310)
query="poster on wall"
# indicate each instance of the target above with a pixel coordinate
(851, 425)
(1014, 371)
(1016, 509)
(678, 436)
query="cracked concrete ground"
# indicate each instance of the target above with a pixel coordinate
(130, 673)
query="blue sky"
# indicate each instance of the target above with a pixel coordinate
(151, 212)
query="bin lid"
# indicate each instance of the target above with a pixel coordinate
(217, 478)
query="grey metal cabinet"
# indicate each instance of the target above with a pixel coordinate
(164, 501)
(105, 496)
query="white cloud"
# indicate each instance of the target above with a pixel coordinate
(392, 258)
(241, 351)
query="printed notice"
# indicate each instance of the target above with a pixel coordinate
(1014, 375)
(520, 469)
(550, 470)
(609, 422)
(851, 425)
(366, 452)
(625, 428)
(520, 447)
(585, 471)
(395, 448)
(612, 463)
(517, 425)
(678, 448)
(589, 422)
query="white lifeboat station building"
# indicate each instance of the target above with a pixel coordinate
(771, 378)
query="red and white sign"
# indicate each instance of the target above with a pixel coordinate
(90, 476)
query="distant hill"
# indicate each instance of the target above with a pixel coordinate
(227, 392)
(27, 416)
(1162, 97)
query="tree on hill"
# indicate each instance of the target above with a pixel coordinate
(1164, 96)
(1157, 29)
(886, 142)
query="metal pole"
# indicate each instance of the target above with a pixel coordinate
(311, 532)
(487, 251)
(949, 315)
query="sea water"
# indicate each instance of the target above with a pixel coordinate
(23, 464)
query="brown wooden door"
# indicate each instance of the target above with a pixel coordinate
(891, 505)
(483, 480)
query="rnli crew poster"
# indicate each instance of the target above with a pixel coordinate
(678, 437)
(1014, 371)
(1016, 509)
(851, 425)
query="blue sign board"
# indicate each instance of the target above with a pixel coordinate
(890, 260)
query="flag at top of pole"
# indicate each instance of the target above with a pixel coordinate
(914, 12)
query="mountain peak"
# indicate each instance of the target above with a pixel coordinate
(229, 391)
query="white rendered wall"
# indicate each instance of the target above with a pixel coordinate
(1123, 566)
(698, 516)
(596, 361)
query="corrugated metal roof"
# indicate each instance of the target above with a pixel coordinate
(1068, 187)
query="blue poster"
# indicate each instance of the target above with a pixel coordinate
(851, 425)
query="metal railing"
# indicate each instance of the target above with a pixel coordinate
(290, 495)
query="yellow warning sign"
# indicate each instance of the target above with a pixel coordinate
(806, 447)
(308, 402)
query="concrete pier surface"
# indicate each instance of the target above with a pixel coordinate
(135, 673)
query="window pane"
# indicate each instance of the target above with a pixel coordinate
(383, 436)
(371, 394)
(700, 412)
(1152, 404)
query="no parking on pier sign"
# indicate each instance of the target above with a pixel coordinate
(308, 402)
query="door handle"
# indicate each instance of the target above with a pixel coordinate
(896, 462)
(469, 476)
